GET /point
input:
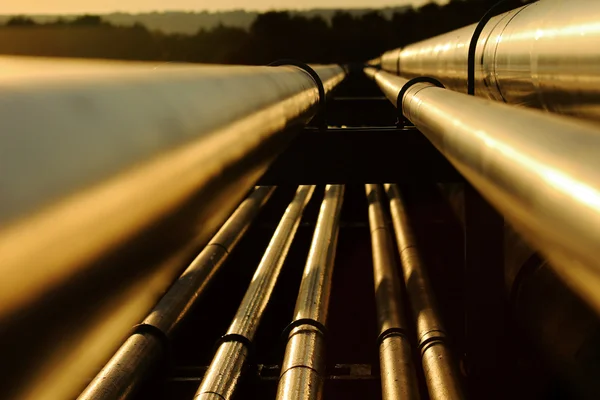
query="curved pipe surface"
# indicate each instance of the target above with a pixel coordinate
(303, 364)
(398, 374)
(144, 349)
(103, 158)
(439, 366)
(389, 61)
(225, 370)
(543, 55)
(540, 171)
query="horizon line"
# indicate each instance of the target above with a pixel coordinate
(184, 11)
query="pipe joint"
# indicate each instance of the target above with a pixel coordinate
(152, 330)
(235, 337)
(291, 328)
(391, 332)
(432, 338)
(318, 81)
(402, 121)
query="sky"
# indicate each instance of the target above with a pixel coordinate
(106, 6)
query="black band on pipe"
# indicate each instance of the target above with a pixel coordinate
(491, 13)
(391, 332)
(320, 117)
(427, 343)
(402, 121)
(235, 337)
(309, 70)
(153, 331)
(303, 321)
(165, 343)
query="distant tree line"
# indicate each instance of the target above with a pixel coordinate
(273, 35)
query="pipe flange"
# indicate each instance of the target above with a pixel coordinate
(402, 121)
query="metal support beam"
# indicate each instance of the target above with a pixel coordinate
(360, 111)
(358, 156)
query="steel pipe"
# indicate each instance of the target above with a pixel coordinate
(303, 365)
(398, 374)
(440, 368)
(543, 55)
(390, 61)
(144, 349)
(226, 367)
(540, 171)
(101, 159)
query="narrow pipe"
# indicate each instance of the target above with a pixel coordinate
(440, 368)
(226, 367)
(302, 372)
(103, 161)
(543, 55)
(398, 376)
(142, 351)
(542, 172)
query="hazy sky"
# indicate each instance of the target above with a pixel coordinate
(103, 6)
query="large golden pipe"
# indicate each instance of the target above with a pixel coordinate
(114, 174)
(543, 55)
(542, 172)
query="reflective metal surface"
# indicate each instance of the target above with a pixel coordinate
(222, 375)
(443, 379)
(441, 373)
(124, 373)
(540, 171)
(388, 291)
(313, 296)
(389, 61)
(141, 352)
(100, 160)
(257, 296)
(543, 55)
(303, 365)
(398, 376)
(224, 372)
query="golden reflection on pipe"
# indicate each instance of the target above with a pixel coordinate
(141, 352)
(543, 55)
(103, 158)
(398, 376)
(226, 367)
(304, 365)
(440, 368)
(542, 172)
